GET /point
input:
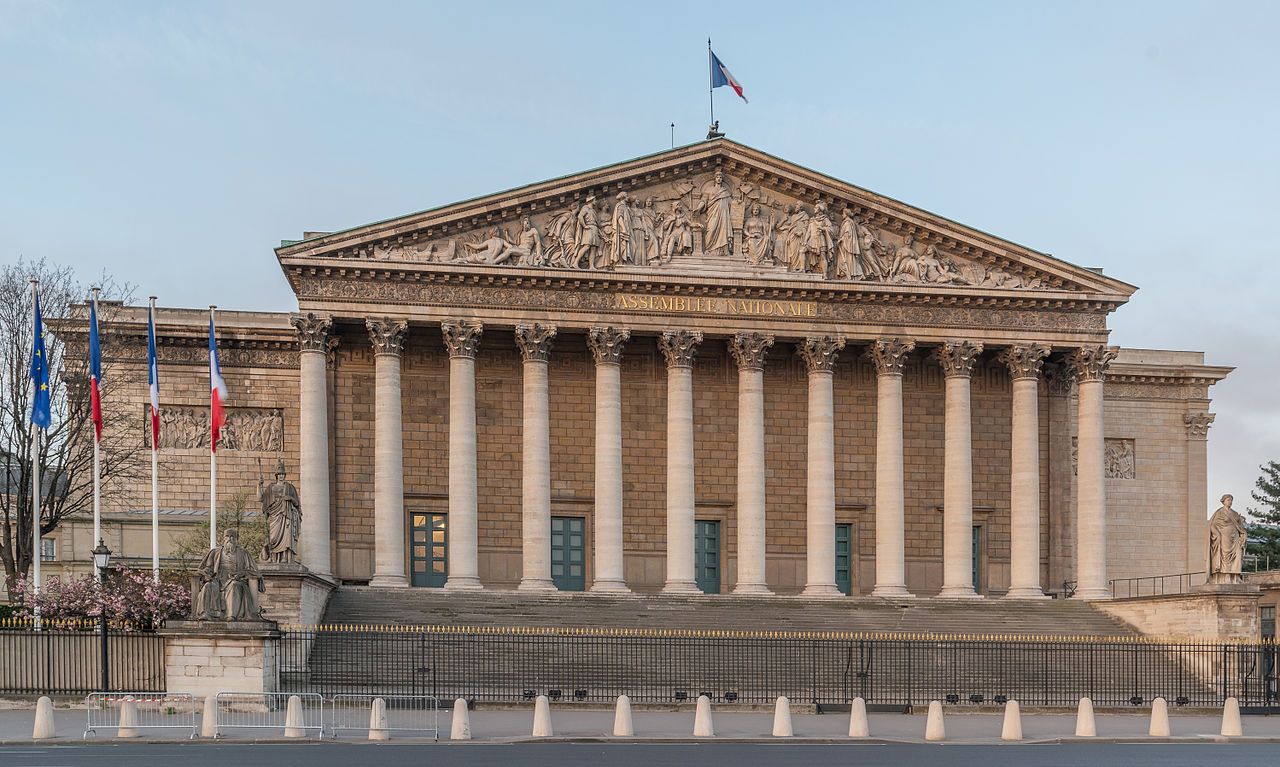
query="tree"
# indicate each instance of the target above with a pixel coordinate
(236, 513)
(66, 447)
(1264, 531)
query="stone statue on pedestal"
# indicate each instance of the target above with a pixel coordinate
(283, 512)
(225, 593)
(1226, 544)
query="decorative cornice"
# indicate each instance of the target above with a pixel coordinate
(462, 337)
(819, 352)
(1089, 363)
(679, 347)
(313, 331)
(890, 354)
(606, 344)
(1198, 424)
(1024, 360)
(750, 349)
(534, 340)
(387, 335)
(958, 357)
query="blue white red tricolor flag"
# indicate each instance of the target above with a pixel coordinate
(720, 75)
(95, 372)
(153, 376)
(217, 390)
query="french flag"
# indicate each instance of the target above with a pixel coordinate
(95, 371)
(720, 75)
(217, 389)
(153, 376)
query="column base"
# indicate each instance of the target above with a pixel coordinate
(611, 586)
(463, 583)
(1092, 593)
(1029, 592)
(958, 592)
(891, 591)
(389, 581)
(536, 584)
(751, 589)
(828, 590)
(681, 587)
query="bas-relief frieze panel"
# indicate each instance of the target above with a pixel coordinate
(1118, 458)
(713, 219)
(247, 429)
(1170, 391)
(230, 354)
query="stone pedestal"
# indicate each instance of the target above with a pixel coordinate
(1210, 612)
(204, 658)
(295, 596)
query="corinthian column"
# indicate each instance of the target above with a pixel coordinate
(1024, 363)
(749, 350)
(1090, 364)
(819, 354)
(606, 345)
(957, 359)
(387, 337)
(313, 438)
(679, 346)
(462, 338)
(889, 355)
(534, 341)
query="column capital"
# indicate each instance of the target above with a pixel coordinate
(890, 354)
(606, 342)
(958, 357)
(1024, 360)
(387, 335)
(534, 340)
(750, 349)
(1090, 363)
(1059, 378)
(462, 337)
(819, 352)
(313, 331)
(679, 346)
(1198, 424)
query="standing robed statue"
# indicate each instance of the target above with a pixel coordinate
(1227, 538)
(283, 512)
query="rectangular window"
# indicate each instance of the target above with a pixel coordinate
(1268, 620)
(48, 550)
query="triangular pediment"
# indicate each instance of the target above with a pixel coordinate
(713, 209)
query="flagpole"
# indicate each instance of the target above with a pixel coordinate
(35, 472)
(155, 476)
(711, 89)
(213, 454)
(97, 460)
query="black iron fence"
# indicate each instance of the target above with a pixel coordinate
(504, 664)
(67, 660)
(1157, 585)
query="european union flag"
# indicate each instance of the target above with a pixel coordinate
(40, 411)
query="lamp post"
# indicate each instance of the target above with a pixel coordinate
(101, 559)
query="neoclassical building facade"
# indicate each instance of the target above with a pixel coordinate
(705, 370)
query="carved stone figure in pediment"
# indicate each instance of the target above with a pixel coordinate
(794, 228)
(872, 253)
(757, 233)
(644, 249)
(587, 240)
(906, 262)
(716, 208)
(622, 240)
(819, 242)
(677, 233)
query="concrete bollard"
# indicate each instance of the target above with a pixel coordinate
(43, 729)
(1231, 727)
(542, 718)
(858, 727)
(1012, 729)
(702, 726)
(461, 728)
(935, 729)
(378, 720)
(293, 719)
(622, 725)
(209, 719)
(1085, 727)
(782, 718)
(1159, 719)
(128, 720)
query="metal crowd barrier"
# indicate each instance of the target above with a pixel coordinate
(267, 711)
(413, 714)
(170, 711)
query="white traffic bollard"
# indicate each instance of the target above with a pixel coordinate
(209, 719)
(1012, 729)
(858, 727)
(461, 728)
(935, 729)
(542, 718)
(622, 725)
(378, 720)
(782, 718)
(702, 726)
(1231, 727)
(128, 720)
(293, 724)
(43, 729)
(1159, 719)
(1085, 727)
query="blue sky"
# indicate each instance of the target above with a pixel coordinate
(175, 144)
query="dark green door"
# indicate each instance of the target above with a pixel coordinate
(844, 558)
(429, 549)
(706, 555)
(568, 553)
(977, 551)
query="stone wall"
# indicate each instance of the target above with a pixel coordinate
(1200, 616)
(204, 660)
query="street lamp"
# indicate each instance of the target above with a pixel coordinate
(101, 559)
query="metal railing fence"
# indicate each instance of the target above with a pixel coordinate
(1156, 585)
(151, 711)
(268, 711)
(405, 714)
(67, 661)
(511, 664)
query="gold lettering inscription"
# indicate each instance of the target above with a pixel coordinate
(753, 307)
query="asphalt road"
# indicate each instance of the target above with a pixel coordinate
(637, 755)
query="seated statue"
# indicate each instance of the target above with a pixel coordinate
(225, 593)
